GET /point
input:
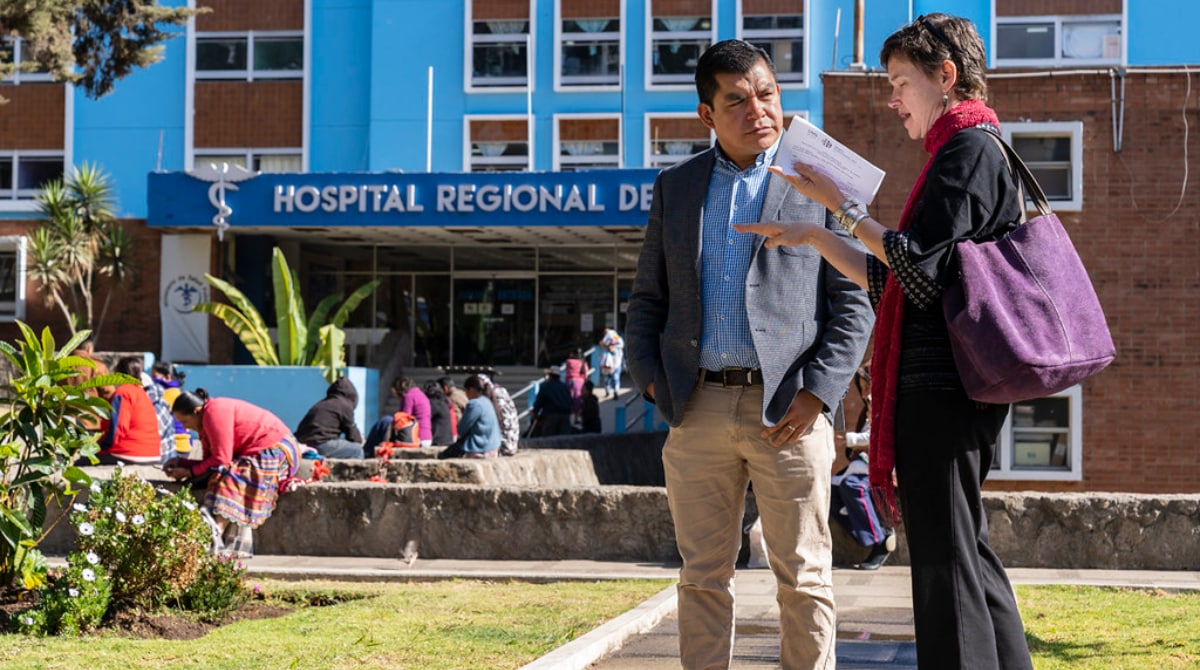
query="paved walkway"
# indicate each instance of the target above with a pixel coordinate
(875, 629)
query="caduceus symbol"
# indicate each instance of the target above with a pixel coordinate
(224, 178)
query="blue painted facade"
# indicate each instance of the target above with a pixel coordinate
(371, 58)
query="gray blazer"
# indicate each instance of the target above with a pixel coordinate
(810, 323)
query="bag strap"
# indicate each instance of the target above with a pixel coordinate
(1026, 177)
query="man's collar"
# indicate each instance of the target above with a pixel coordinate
(765, 159)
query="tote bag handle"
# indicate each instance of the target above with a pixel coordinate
(1026, 181)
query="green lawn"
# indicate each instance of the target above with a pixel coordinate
(425, 626)
(1092, 628)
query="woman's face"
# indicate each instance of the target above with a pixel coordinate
(916, 96)
(190, 420)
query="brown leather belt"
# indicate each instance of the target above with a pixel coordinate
(733, 377)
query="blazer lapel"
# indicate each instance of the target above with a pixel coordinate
(695, 179)
(778, 191)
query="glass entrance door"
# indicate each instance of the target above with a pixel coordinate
(494, 321)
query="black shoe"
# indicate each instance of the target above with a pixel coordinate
(878, 556)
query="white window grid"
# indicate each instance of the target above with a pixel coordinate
(580, 157)
(1008, 466)
(604, 40)
(786, 80)
(12, 310)
(1057, 129)
(676, 38)
(255, 160)
(664, 152)
(491, 84)
(1060, 25)
(12, 190)
(19, 76)
(249, 73)
(476, 156)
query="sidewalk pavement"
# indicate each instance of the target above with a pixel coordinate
(875, 626)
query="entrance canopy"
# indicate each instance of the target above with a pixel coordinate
(601, 207)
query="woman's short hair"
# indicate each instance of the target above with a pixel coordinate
(935, 38)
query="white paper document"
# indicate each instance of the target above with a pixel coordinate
(856, 177)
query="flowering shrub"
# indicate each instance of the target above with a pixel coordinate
(152, 545)
(74, 603)
(218, 589)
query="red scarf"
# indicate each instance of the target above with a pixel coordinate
(889, 317)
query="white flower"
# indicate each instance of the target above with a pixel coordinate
(95, 487)
(190, 505)
(74, 593)
(107, 510)
(121, 517)
(163, 491)
(92, 558)
(28, 621)
(85, 528)
(138, 519)
(88, 575)
(80, 508)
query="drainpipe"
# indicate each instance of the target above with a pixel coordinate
(859, 10)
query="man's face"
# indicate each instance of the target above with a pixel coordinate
(745, 113)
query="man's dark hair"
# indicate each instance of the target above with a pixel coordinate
(729, 56)
(446, 382)
(473, 382)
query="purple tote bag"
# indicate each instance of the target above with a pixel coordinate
(1024, 320)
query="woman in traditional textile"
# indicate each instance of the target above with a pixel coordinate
(939, 441)
(249, 452)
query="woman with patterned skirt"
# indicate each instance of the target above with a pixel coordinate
(251, 456)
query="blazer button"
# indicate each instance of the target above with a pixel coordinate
(694, 343)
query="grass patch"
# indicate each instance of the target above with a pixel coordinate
(427, 626)
(1097, 628)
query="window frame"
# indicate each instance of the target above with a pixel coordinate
(648, 139)
(19, 244)
(249, 73)
(558, 156)
(559, 37)
(249, 154)
(467, 142)
(18, 76)
(469, 43)
(11, 194)
(1073, 129)
(804, 37)
(1009, 472)
(1056, 21)
(681, 84)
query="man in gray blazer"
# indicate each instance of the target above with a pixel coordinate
(746, 351)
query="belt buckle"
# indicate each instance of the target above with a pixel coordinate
(743, 373)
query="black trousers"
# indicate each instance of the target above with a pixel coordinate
(965, 614)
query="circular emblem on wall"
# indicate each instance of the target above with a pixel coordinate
(185, 292)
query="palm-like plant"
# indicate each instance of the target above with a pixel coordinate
(317, 339)
(79, 240)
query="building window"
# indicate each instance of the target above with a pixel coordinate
(1057, 40)
(12, 51)
(777, 26)
(589, 43)
(497, 145)
(23, 174)
(499, 43)
(680, 31)
(671, 139)
(1054, 153)
(250, 55)
(1042, 439)
(255, 160)
(583, 143)
(12, 278)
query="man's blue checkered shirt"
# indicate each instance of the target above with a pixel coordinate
(734, 196)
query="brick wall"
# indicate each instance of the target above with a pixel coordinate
(257, 114)
(256, 15)
(33, 117)
(1137, 236)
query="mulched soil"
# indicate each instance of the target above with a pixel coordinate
(139, 624)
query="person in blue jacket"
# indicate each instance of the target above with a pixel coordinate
(478, 429)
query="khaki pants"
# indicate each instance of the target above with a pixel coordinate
(708, 460)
